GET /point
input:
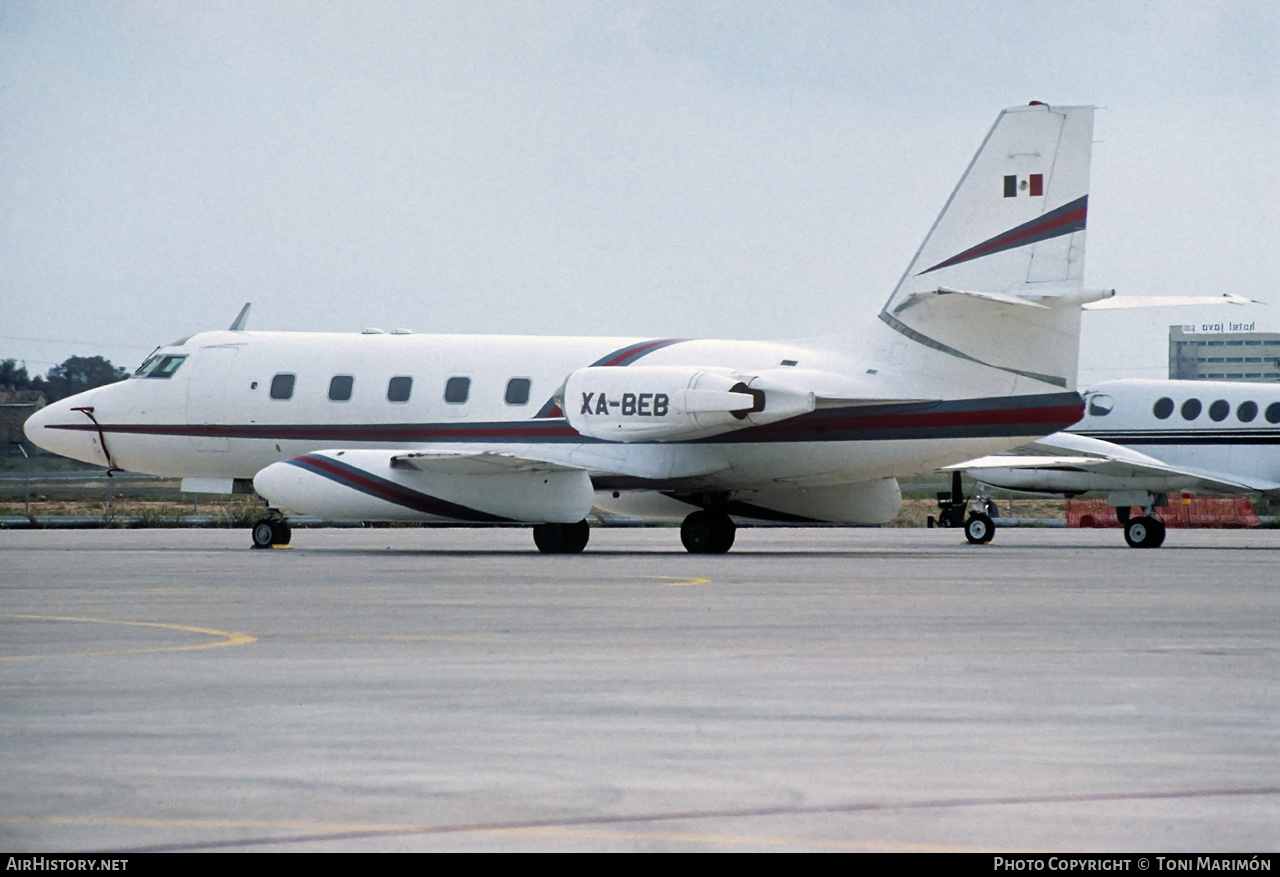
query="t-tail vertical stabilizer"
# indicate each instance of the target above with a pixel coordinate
(992, 297)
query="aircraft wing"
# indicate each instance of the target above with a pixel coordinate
(474, 463)
(1093, 464)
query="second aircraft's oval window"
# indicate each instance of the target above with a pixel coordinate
(1219, 410)
(517, 391)
(340, 388)
(1100, 405)
(282, 387)
(1246, 412)
(1163, 408)
(1191, 409)
(1273, 412)
(399, 388)
(456, 390)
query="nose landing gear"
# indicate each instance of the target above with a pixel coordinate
(979, 528)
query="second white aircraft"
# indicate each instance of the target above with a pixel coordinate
(1141, 440)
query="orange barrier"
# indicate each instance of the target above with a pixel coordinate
(1185, 512)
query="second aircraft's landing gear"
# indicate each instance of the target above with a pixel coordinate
(707, 533)
(1144, 532)
(561, 538)
(979, 529)
(270, 532)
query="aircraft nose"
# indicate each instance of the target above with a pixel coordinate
(59, 429)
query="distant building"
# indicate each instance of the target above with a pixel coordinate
(1223, 352)
(15, 407)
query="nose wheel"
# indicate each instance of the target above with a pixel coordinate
(979, 530)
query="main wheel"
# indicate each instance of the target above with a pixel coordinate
(270, 531)
(707, 533)
(979, 529)
(1144, 532)
(562, 538)
(263, 534)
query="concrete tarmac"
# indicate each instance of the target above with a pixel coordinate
(405, 689)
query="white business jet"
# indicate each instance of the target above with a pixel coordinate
(1141, 440)
(974, 353)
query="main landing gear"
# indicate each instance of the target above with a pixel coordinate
(1144, 532)
(561, 538)
(270, 532)
(979, 528)
(707, 532)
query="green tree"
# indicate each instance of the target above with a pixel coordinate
(80, 373)
(14, 375)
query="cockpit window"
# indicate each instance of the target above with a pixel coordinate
(1100, 405)
(162, 365)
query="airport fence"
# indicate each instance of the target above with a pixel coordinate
(1185, 512)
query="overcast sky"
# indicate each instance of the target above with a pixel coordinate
(693, 169)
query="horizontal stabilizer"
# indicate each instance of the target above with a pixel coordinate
(1164, 301)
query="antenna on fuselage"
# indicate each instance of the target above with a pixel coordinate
(238, 325)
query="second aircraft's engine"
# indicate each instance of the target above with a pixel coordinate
(667, 403)
(402, 486)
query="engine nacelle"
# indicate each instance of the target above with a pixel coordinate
(669, 403)
(365, 486)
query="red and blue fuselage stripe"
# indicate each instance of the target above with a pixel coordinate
(968, 418)
(389, 491)
(1066, 219)
(623, 356)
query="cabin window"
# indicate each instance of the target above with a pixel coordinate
(399, 388)
(162, 366)
(1100, 405)
(456, 390)
(1246, 412)
(1273, 412)
(1163, 408)
(282, 387)
(340, 388)
(1191, 409)
(518, 391)
(1219, 410)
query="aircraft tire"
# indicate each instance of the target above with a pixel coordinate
(263, 534)
(707, 533)
(979, 530)
(280, 533)
(1144, 532)
(562, 538)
